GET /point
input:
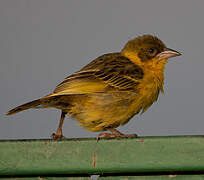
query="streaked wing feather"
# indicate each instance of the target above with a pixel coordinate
(112, 70)
(117, 80)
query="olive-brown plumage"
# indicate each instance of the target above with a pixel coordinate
(111, 89)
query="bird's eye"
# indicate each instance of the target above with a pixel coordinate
(152, 51)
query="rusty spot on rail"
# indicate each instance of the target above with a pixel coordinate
(142, 140)
(94, 157)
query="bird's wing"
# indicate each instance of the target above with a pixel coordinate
(110, 70)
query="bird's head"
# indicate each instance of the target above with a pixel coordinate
(148, 51)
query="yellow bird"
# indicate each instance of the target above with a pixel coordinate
(111, 89)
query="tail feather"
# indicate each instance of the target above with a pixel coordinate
(60, 102)
(25, 106)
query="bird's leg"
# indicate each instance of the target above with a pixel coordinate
(114, 134)
(58, 135)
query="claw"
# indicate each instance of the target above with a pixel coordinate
(104, 135)
(57, 137)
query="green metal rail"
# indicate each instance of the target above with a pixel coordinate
(152, 158)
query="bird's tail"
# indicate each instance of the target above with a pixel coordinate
(39, 103)
(25, 106)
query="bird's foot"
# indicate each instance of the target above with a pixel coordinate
(105, 135)
(57, 137)
(115, 133)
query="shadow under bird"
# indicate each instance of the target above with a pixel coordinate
(111, 89)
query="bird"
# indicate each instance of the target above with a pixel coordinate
(111, 89)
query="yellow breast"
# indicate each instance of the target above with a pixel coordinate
(150, 87)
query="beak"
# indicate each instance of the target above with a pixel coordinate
(167, 53)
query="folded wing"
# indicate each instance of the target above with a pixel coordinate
(110, 71)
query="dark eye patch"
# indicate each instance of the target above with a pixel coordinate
(146, 54)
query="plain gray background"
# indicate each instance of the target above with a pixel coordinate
(43, 41)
